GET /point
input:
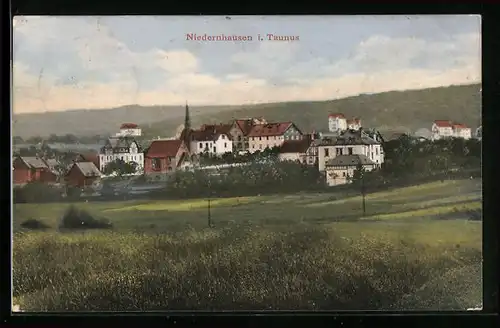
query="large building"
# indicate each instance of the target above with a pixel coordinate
(123, 148)
(340, 170)
(129, 129)
(240, 130)
(338, 123)
(271, 135)
(350, 143)
(448, 129)
(211, 139)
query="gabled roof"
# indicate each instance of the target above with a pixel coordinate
(163, 148)
(120, 142)
(295, 146)
(34, 162)
(245, 125)
(443, 124)
(269, 129)
(354, 121)
(350, 160)
(335, 115)
(210, 132)
(88, 169)
(460, 126)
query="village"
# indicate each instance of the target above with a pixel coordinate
(214, 147)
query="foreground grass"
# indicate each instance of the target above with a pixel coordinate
(344, 266)
(301, 251)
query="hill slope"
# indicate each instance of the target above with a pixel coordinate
(388, 111)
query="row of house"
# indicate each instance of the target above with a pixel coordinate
(336, 154)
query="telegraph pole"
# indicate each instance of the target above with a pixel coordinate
(209, 214)
(363, 192)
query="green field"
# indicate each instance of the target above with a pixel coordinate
(414, 248)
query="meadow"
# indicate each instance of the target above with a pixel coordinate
(414, 248)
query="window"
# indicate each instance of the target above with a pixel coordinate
(343, 174)
(267, 138)
(253, 146)
(214, 150)
(121, 158)
(225, 145)
(239, 138)
(372, 155)
(169, 168)
(260, 146)
(349, 150)
(201, 144)
(156, 164)
(260, 138)
(327, 153)
(223, 136)
(206, 144)
(376, 151)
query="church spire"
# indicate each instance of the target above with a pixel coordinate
(187, 119)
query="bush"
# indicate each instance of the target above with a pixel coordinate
(75, 218)
(475, 215)
(36, 192)
(34, 224)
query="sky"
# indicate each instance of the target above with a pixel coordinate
(88, 62)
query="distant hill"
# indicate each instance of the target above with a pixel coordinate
(389, 111)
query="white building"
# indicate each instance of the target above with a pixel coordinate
(447, 129)
(129, 129)
(340, 169)
(337, 122)
(350, 143)
(124, 148)
(211, 139)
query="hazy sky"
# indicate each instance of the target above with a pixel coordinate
(97, 62)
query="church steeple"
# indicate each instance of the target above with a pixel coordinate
(187, 119)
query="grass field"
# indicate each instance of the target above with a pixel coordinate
(414, 249)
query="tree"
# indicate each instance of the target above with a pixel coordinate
(120, 167)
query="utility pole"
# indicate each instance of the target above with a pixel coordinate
(363, 192)
(209, 214)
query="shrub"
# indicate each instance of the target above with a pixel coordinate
(36, 192)
(34, 224)
(475, 215)
(75, 218)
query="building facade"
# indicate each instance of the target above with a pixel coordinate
(83, 174)
(349, 143)
(337, 122)
(447, 129)
(340, 169)
(123, 148)
(272, 135)
(211, 139)
(163, 157)
(129, 129)
(32, 169)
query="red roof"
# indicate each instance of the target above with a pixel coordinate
(129, 126)
(245, 125)
(334, 115)
(269, 129)
(163, 148)
(443, 124)
(295, 146)
(460, 126)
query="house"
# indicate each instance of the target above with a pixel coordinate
(271, 135)
(129, 129)
(447, 129)
(461, 131)
(295, 150)
(350, 142)
(31, 169)
(82, 174)
(341, 168)
(337, 122)
(123, 148)
(164, 156)
(211, 139)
